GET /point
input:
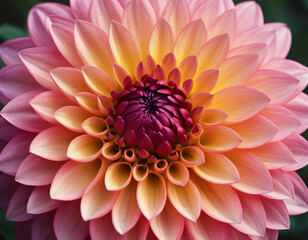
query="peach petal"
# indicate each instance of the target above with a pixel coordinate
(208, 229)
(63, 38)
(17, 209)
(70, 81)
(125, 212)
(89, 102)
(192, 156)
(162, 40)
(175, 75)
(159, 73)
(130, 155)
(140, 71)
(103, 12)
(151, 195)
(190, 40)
(235, 70)
(15, 152)
(111, 151)
(72, 117)
(103, 229)
(16, 80)
(47, 103)
(281, 88)
(254, 176)
(168, 63)
(242, 104)
(188, 67)
(118, 176)
(217, 169)
(120, 73)
(205, 81)
(203, 99)
(19, 113)
(169, 224)
(225, 23)
(150, 64)
(92, 46)
(160, 165)
(221, 202)
(254, 218)
(177, 14)
(84, 148)
(178, 174)
(277, 216)
(212, 117)
(219, 139)
(9, 49)
(274, 155)
(186, 199)
(68, 223)
(36, 171)
(139, 17)
(140, 172)
(72, 180)
(96, 127)
(124, 47)
(139, 231)
(97, 201)
(255, 131)
(36, 61)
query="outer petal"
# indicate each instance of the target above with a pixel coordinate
(139, 231)
(80, 8)
(42, 227)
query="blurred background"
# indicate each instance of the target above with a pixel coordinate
(13, 24)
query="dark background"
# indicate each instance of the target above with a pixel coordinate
(13, 24)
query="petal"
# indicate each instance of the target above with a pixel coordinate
(255, 131)
(212, 117)
(92, 45)
(19, 113)
(124, 47)
(208, 229)
(205, 81)
(177, 173)
(235, 70)
(52, 143)
(274, 155)
(283, 41)
(203, 99)
(39, 61)
(169, 224)
(68, 223)
(7, 190)
(36, 171)
(242, 104)
(254, 219)
(118, 176)
(42, 227)
(190, 40)
(217, 169)
(186, 199)
(188, 67)
(139, 17)
(254, 176)
(9, 49)
(72, 179)
(219, 139)
(84, 148)
(162, 40)
(278, 86)
(192, 156)
(151, 195)
(89, 102)
(139, 231)
(40, 201)
(125, 212)
(80, 8)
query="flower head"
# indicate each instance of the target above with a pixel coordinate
(141, 119)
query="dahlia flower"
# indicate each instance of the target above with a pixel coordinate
(145, 119)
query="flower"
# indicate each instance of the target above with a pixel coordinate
(141, 119)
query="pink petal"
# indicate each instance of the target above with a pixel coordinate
(16, 80)
(36, 171)
(9, 49)
(283, 39)
(15, 152)
(207, 228)
(72, 180)
(7, 190)
(254, 218)
(242, 104)
(19, 113)
(40, 201)
(80, 8)
(52, 143)
(17, 209)
(169, 224)
(42, 227)
(206, 81)
(8, 131)
(37, 21)
(254, 176)
(139, 231)
(158, 7)
(68, 223)
(255, 131)
(23, 230)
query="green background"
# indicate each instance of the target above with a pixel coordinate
(13, 20)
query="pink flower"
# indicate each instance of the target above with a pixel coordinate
(147, 119)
